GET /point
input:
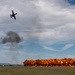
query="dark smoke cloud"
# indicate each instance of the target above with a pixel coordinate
(11, 37)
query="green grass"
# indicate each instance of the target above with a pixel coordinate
(22, 70)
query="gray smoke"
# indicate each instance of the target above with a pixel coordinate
(12, 39)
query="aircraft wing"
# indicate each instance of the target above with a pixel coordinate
(14, 17)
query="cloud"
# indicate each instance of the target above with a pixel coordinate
(58, 22)
(51, 21)
(67, 46)
(50, 48)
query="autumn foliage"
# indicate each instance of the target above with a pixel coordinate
(50, 62)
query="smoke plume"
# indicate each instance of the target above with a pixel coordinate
(12, 39)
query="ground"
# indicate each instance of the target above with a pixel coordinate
(22, 70)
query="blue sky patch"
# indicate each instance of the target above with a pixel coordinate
(72, 2)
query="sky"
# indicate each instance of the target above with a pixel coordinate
(46, 26)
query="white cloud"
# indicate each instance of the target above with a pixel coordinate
(51, 21)
(67, 46)
(51, 49)
(56, 20)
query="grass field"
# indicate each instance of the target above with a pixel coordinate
(22, 70)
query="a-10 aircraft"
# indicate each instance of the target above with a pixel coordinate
(13, 15)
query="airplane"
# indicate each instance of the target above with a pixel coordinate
(13, 15)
